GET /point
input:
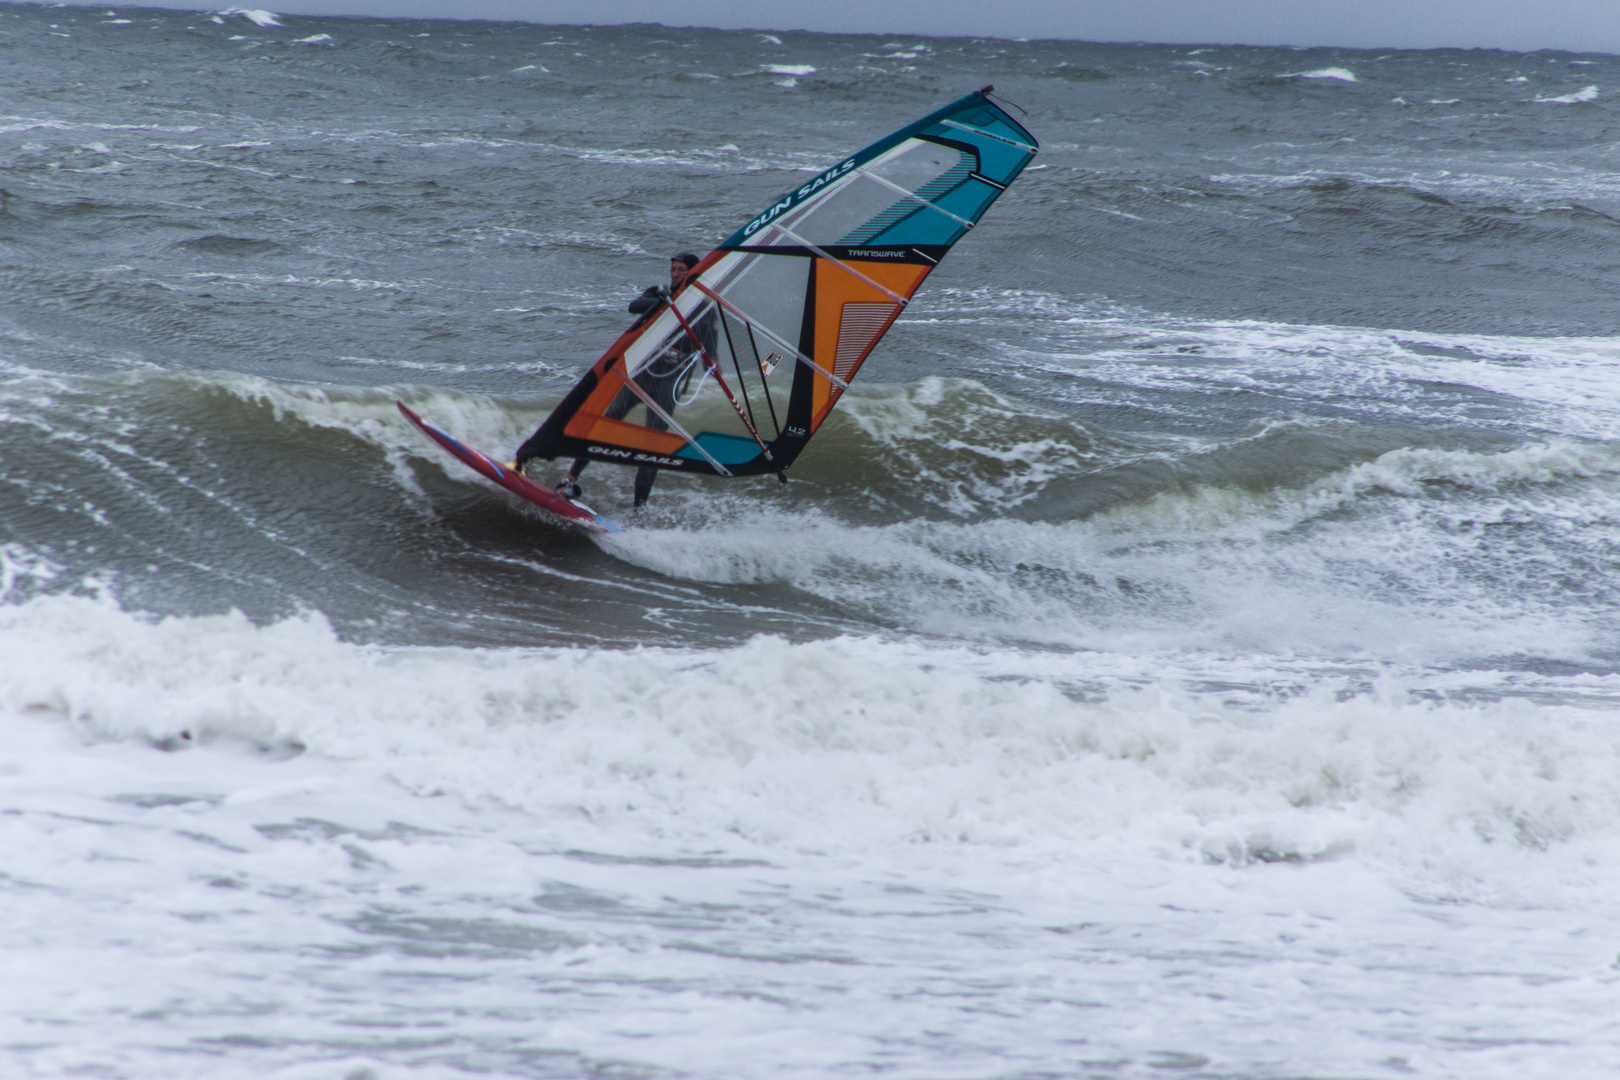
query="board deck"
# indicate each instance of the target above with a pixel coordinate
(571, 512)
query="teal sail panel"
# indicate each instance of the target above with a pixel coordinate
(923, 186)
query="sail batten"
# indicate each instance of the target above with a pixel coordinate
(820, 275)
(742, 316)
(842, 265)
(965, 223)
(991, 135)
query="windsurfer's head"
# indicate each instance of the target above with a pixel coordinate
(679, 267)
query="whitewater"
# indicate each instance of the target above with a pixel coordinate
(1191, 649)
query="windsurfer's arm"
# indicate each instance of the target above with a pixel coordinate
(647, 301)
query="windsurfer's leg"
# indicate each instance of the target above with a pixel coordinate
(663, 392)
(622, 402)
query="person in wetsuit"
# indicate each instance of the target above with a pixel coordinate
(661, 380)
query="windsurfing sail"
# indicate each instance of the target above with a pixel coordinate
(784, 313)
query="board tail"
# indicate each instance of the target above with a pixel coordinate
(572, 512)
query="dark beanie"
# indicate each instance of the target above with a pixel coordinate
(686, 257)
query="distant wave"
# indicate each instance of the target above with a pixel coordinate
(257, 16)
(1342, 74)
(1587, 93)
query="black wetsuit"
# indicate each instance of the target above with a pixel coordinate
(661, 380)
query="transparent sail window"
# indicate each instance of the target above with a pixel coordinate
(855, 209)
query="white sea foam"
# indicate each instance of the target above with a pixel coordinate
(1339, 73)
(1571, 381)
(1588, 93)
(1531, 187)
(788, 69)
(313, 39)
(11, 124)
(854, 744)
(1157, 876)
(256, 16)
(1367, 563)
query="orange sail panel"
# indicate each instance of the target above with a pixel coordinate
(851, 315)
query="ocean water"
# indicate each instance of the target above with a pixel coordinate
(1192, 649)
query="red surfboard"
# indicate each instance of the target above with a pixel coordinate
(574, 513)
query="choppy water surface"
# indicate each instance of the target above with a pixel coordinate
(1191, 650)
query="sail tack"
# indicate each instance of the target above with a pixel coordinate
(784, 312)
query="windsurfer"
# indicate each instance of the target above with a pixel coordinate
(662, 380)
